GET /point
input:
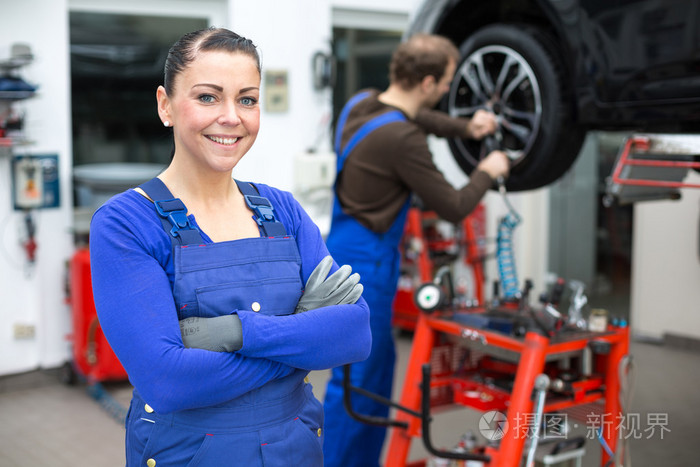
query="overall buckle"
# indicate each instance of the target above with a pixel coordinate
(174, 210)
(265, 215)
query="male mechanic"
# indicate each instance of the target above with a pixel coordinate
(383, 157)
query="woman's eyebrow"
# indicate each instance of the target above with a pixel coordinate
(215, 86)
(220, 89)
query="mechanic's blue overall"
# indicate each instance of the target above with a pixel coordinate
(278, 424)
(375, 256)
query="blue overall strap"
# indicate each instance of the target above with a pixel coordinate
(344, 116)
(265, 215)
(367, 128)
(172, 213)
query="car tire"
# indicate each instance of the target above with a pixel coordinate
(533, 100)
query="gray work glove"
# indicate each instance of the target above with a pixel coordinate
(219, 334)
(341, 288)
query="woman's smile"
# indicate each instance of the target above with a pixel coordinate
(226, 141)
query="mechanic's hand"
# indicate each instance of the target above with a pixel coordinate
(219, 334)
(481, 124)
(496, 164)
(341, 288)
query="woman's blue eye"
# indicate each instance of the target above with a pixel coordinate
(206, 98)
(248, 101)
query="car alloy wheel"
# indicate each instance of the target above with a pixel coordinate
(513, 72)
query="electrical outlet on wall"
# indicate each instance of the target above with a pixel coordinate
(24, 331)
(276, 91)
(313, 171)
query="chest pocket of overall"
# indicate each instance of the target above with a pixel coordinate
(258, 274)
(269, 296)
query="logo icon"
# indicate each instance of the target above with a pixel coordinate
(493, 425)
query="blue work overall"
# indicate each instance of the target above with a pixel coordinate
(375, 256)
(278, 424)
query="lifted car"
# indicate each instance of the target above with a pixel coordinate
(551, 70)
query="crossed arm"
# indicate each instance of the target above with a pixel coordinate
(225, 333)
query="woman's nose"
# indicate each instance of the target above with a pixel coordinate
(229, 114)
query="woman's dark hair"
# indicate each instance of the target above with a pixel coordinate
(185, 50)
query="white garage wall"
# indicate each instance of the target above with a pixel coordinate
(665, 296)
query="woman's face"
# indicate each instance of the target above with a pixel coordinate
(214, 109)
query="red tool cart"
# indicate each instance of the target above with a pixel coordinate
(453, 364)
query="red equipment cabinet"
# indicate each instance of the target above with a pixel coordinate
(93, 358)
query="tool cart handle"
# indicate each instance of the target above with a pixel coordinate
(348, 389)
(426, 419)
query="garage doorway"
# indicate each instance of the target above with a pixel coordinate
(362, 44)
(116, 65)
(362, 61)
(118, 51)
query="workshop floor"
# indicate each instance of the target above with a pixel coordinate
(46, 423)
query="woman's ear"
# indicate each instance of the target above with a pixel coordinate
(163, 106)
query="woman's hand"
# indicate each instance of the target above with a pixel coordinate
(218, 334)
(341, 288)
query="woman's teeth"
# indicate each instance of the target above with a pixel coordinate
(227, 141)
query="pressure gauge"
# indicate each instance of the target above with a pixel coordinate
(428, 297)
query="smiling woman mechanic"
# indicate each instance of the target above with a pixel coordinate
(196, 245)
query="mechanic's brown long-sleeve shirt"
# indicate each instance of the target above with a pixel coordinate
(394, 160)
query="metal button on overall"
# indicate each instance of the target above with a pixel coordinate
(151, 462)
(255, 307)
(148, 408)
(319, 432)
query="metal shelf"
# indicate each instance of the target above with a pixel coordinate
(20, 55)
(16, 95)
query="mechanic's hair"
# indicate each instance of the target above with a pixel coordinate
(185, 50)
(420, 56)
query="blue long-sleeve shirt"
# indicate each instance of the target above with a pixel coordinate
(132, 276)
